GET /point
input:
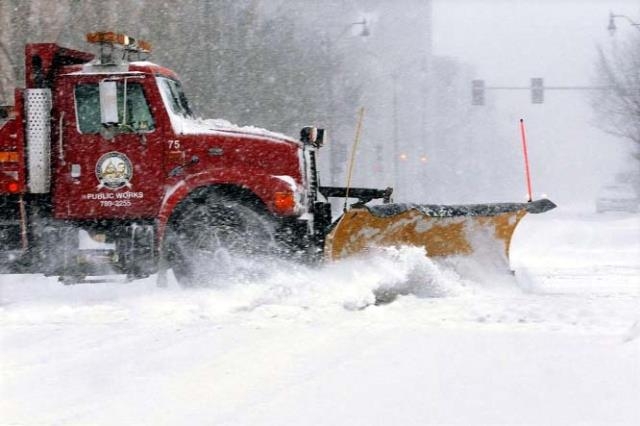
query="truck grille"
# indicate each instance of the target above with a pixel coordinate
(313, 176)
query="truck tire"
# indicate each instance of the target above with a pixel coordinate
(218, 240)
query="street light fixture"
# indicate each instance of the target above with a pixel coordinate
(612, 22)
(364, 31)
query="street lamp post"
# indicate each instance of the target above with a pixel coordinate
(612, 22)
(338, 150)
(396, 140)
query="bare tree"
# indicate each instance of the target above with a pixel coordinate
(7, 71)
(237, 62)
(618, 107)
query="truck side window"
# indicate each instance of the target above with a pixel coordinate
(138, 116)
(172, 91)
(135, 116)
(88, 108)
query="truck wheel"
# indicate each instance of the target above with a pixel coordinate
(216, 240)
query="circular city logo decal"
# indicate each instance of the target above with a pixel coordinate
(114, 171)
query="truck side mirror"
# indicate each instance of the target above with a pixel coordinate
(108, 102)
(312, 136)
(320, 138)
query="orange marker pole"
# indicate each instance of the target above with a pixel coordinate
(526, 159)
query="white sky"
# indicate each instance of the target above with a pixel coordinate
(509, 42)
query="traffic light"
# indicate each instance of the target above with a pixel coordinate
(537, 90)
(477, 92)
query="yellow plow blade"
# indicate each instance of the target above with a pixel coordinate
(443, 230)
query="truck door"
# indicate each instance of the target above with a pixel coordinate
(108, 171)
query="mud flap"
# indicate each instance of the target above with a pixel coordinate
(443, 230)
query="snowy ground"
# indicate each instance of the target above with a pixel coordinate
(558, 344)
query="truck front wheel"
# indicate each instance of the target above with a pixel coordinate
(215, 240)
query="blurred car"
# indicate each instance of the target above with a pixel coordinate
(618, 197)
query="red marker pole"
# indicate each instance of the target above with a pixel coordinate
(526, 159)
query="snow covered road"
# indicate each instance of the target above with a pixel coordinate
(559, 343)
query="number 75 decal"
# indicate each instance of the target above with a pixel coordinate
(174, 144)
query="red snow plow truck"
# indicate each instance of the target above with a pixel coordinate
(104, 169)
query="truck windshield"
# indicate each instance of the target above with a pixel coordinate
(174, 96)
(135, 116)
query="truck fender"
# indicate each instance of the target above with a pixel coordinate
(264, 187)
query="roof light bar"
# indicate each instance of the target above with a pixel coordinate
(120, 40)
